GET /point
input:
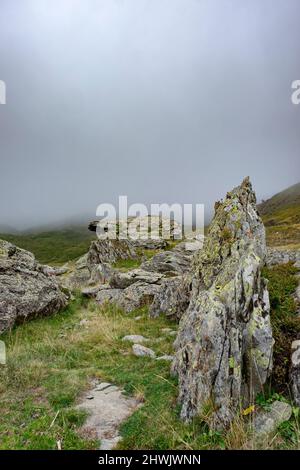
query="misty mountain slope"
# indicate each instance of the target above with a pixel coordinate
(290, 197)
(281, 216)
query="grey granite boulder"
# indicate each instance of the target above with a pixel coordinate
(27, 289)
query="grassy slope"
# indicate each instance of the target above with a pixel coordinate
(55, 246)
(281, 215)
(52, 360)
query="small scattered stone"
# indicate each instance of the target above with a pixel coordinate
(266, 422)
(83, 322)
(90, 397)
(138, 318)
(135, 339)
(165, 357)
(121, 280)
(142, 351)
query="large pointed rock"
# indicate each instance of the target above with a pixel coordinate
(224, 345)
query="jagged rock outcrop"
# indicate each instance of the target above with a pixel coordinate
(174, 295)
(96, 265)
(162, 288)
(224, 345)
(27, 289)
(109, 251)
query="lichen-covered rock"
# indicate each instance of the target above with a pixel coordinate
(109, 251)
(224, 345)
(107, 294)
(174, 295)
(143, 231)
(26, 289)
(149, 243)
(266, 422)
(172, 299)
(95, 266)
(78, 276)
(135, 296)
(295, 372)
(169, 262)
(138, 295)
(121, 280)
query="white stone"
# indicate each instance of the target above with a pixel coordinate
(142, 351)
(135, 339)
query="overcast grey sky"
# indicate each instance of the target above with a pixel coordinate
(160, 100)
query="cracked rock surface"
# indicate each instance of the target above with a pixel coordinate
(224, 344)
(27, 288)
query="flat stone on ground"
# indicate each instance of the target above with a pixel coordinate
(106, 411)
